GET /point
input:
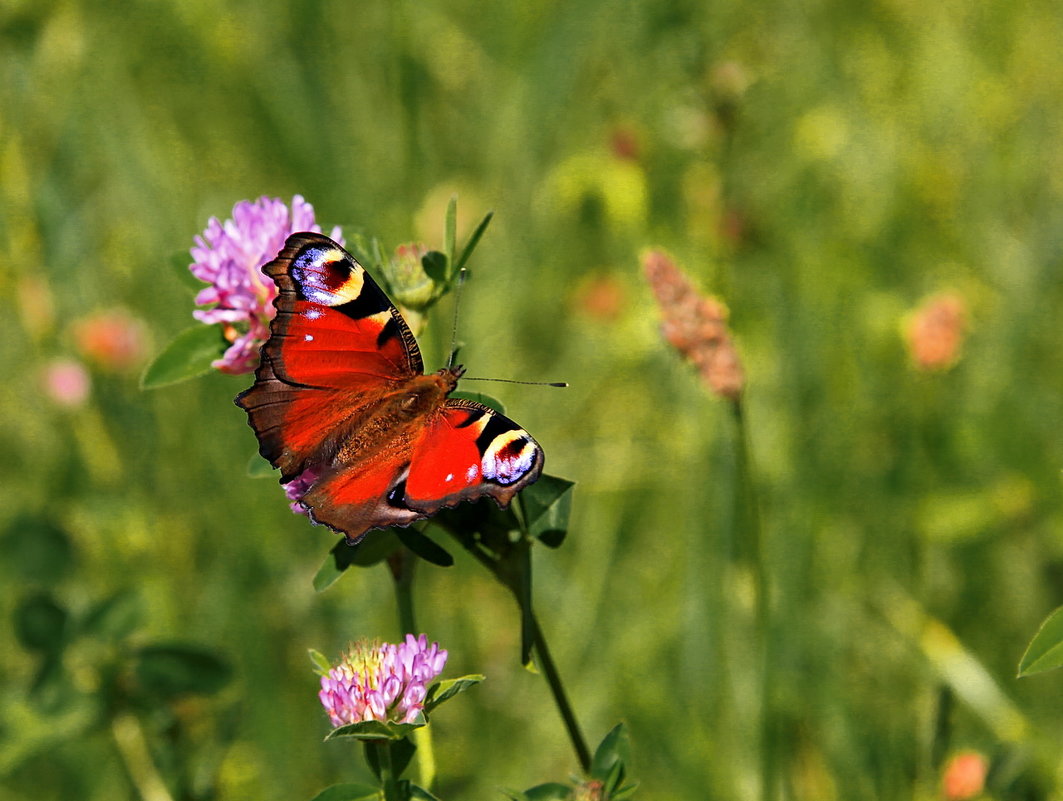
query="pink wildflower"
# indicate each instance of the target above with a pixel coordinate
(229, 256)
(66, 382)
(381, 682)
(297, 488)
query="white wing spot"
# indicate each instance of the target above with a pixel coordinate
(308, 337)
(450, 477)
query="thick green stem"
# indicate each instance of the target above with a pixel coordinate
(402, 569)
(749, 511)
(389, 782)
(402, 564)
(549, 668)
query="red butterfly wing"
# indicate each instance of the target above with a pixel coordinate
(354, 499)
(468, 451)
(336, 345)
(463, 452)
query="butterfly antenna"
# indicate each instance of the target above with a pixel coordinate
(457, 307)
(512, 381)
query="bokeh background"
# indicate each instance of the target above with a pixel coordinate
(824, 168)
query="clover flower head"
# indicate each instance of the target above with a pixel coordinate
(695, 325)
(229, 256)
(381, 681)
(298, 487)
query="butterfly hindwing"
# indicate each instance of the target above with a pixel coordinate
(464, 452)
(468, 451)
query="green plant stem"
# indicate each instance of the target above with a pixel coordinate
(749, 509)
(402, 566)
(557, 688)
(133, 748)
(546, 662)
(389, 782)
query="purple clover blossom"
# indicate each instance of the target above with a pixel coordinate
(229, 256)
(297, 488)
(381, 682)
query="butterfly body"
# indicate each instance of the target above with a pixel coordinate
(341, 402)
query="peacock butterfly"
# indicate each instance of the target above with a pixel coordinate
(341, 402)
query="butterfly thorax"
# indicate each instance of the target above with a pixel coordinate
(396, 418)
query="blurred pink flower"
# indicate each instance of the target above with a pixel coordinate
(695, 325)
(66, 382)
(229, 256)
(114, 340)
(382, 682)
(964, 776)
(935, 331)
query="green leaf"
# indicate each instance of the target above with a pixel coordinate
(480, 397)
(626, 791)
(115, 618)
(426, 548)
(172, 671)
(419, 793)
(543, 494)
(373, 730)
(40, 623)
(1045, 650)
(349, 792)
(610, 758)
(474, 240)
(179, 261)
(551, 791)
(551, 527)
(188, 355)
(376, 546)
(449, 233)
(445, 690)
(36, 548)
(320, 662)
(257, 467)
(435, 264)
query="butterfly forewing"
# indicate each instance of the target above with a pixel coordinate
(340, 397)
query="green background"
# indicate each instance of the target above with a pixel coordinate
(821, 166)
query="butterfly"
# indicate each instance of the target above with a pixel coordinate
(341, 402)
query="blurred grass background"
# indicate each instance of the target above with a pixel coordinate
(822, 167)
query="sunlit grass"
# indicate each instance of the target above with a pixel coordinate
(822, 170)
